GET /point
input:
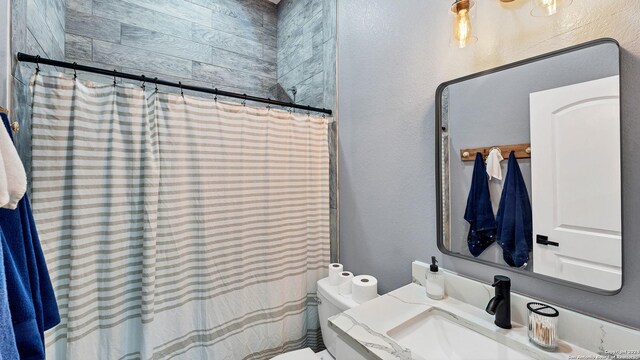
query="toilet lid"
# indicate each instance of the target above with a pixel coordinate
(304, 354)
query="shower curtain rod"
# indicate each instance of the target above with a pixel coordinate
(77, 67)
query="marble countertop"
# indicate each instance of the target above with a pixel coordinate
(365, 327)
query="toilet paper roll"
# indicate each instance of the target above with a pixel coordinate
(334, 273)
(345, 283)
(364, 288)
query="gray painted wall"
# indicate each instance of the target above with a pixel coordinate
(229, 44)
(494, 110)
(393, 55)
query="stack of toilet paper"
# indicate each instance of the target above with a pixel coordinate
(362, 288)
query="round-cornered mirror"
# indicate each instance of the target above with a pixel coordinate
(529, 166)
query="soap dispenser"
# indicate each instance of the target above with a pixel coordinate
(435, 281)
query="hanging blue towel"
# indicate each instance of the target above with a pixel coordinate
(8, 347)
(31, 299)
(515, 228)
(479, 212)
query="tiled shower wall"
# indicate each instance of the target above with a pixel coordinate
(37, 28)
(307, 50)
(229, 44)
(307, 61)
(246, 46)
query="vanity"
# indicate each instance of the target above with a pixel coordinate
(523, 186)
(405, 324)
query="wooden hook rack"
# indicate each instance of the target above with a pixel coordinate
(522, 151)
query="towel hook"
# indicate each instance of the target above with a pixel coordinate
(75, 73)
(528, 150)
(465, 154)
(15, 126)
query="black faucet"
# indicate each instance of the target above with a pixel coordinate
(500, 305)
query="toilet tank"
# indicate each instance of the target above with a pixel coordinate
(331, 303)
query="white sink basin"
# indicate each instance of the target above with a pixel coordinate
(438, 334)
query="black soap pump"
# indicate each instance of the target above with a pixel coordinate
(435, 281)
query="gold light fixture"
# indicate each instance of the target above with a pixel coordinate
(548, 7)
(463, 15)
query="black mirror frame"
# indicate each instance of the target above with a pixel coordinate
(440, 129)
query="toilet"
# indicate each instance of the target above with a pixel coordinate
(330, 303)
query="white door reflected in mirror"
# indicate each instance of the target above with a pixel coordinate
(576, 183)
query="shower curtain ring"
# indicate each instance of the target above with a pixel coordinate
(181, 92)
(215, 96)
(244, 102)
(75, 73)
(115, 71)
(155, 80)
(144, 81)
(37, 64)
(268, 105)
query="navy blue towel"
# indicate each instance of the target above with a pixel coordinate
(515, 228)
(8, 348)
(31, 299)
(479, 212)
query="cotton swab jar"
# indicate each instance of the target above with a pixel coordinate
(543, 325)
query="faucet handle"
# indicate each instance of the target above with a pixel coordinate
(501, 279)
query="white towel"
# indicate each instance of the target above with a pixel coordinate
(4, 184)
(493, 164)
(13, 178)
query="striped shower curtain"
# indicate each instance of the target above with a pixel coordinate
(177, 227)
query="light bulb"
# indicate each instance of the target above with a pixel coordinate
(549, 7)
(462, 31)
